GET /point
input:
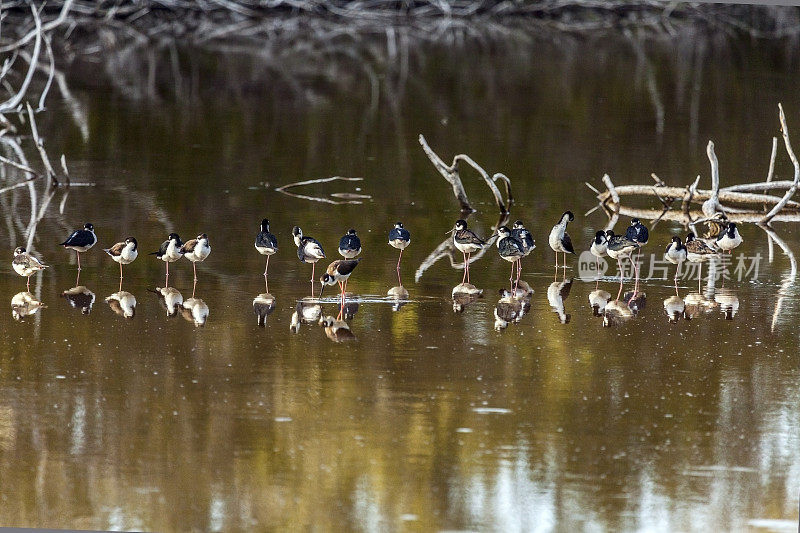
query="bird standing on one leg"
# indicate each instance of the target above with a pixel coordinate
(620, 247)
(676, 254)
(350, 244)
(26, 265)
(467, 242)
(637, 232)
(169, 252)
(123, 253)
(266, 244)
(512, 250)
(81, 240)
(196, 251)
(698, 252)
(399, 238)
(309, 250)
(528, 243)
(559, 238)
(599, 248)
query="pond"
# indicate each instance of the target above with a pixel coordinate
(217, 418)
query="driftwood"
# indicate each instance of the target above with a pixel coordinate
(741, 203)
(346, 198)
(452, 175)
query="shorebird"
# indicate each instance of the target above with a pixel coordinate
(559, 238)
(26, 265)
(599, 248)
(169, 252)
(715, 225)
(729, 239)
(524, 236)
(81, 240)
(676, 254)
(266, 243)
(123, 253)
(309, 250)
(399, 238)
(339, 272)
(196, 250)
(620, 247)
(467, 243)
(637, 232)
(698, 252)
(350, 244)
(512, 250)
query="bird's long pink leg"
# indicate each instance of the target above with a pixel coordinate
(464, 277)
(266, 267)
(166, 280)
(79, 259)
(399, 282)
(194, 268)
(313, 266)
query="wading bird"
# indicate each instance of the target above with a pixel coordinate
(729, 239)
(676, 254)
(26, 265)
(399, 238)
(620, 247)
(467, 243)
(309, 250)
(123, 253)
(637, 232)
(350, 244)
(559, 238)
(512, 250)
(339, 272)
(266, 243)
(81, 240)
(169, 252)
(599, 248)
(196, 250)
(698, 252)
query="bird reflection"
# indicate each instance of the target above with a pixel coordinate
(464, 294)
(308, 311)
(616, 313)
(80, 297)
(674, 307)
(400, 295)
(336, 330)
(510, 309)
(348, 310)
(24, 304)
(195, 310)
(263, 306)
(598, 299)
(122, 303)
(557, 292)
(728, 303)
(695, 303)
(636, 300)
(171, 299)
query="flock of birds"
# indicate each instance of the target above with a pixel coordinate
(513, 244)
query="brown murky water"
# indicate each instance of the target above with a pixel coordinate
(428, 419)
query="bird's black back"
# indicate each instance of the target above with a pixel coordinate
(466, 236)
(79, 237)
(524, 236)
(637, 232)
(266, 239)
(346, 266)
(350, 242)
(510, 246)
(400, 234)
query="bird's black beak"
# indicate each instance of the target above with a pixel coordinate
(451, 231)
(321, 290)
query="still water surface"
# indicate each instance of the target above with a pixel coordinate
(428, 419)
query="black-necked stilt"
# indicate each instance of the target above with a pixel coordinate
(336, 330)
(263, 306)
(698, 252)
(559, 238)
(81, 240)
(309, 250)
(520, 232)
(637, 232)
(599, 248)
(339, 272)
(620, 247)
(123, 253)
(729, 239)
(676, 254)
(79, 297)
(349, 244)
(715, 225)
(169, 252)
(467, 242)
(172, 299)
(266, 244)
(307, 311)
(195, 310)
(26, 265)
(512, 250)
(196, 250)
(399, 238)
(122, 303)
(24, 304)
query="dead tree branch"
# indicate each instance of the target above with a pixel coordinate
(789, 193)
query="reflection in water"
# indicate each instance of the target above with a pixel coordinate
(598, 299)
(636, 301)
(263, 306)
(400, 295)
(307, 311)
(728, 303)
(674, 307)
(80, 298)
(464, 294)
(24, 304)
(195, 310)
(170, 298)
(616, 313)
(510, 309)
(336, 330)
(349, 309)
(122, 303)
(696, 303)
(557, 292)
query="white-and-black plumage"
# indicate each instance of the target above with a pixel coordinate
(599, 248)
(676, 254)
(169, 252)
(350, 244)
(122, 303)
(698, 252)
(124, 253)
(309, 249)
(729, 239)
(336, 330)
(79, 297)
(619, 246)
(25, 264)
(467, 242)
(637, 232)
(559, 239)
(81, 240)
(266, 243)
(399, 238)
(339, 272)
(24, 304)
(520, 232)
(196, 250)
(511, 249)
(557, 292)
